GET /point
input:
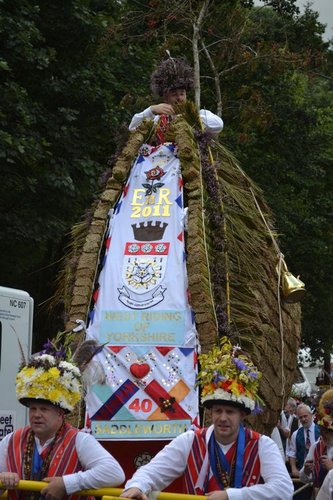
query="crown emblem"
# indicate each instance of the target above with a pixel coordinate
(149, 232)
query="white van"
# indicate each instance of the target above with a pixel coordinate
(16, 318)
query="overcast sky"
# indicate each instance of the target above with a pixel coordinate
(325, 9)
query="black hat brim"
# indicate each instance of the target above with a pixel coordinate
(210, 402)
(27, 401)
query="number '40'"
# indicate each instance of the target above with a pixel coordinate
(145, 405)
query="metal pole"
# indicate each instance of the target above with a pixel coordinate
(105, 493)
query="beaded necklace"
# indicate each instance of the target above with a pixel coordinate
(226, 478)
(28, 459)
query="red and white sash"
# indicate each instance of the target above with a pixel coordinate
(64, 457)
(198, 472)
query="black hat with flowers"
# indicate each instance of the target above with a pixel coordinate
(55, 375)
(228, 376)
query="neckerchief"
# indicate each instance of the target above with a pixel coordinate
(37, 464)
(162, 126)
(214, 447)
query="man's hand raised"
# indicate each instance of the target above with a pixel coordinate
(162, 109)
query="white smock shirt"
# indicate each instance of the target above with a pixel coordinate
(100, 469)
(170, 463)
(326, 490)
(212, 123)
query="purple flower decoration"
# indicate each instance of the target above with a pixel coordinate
(257, 410)
(47, 348)
(217, 377)
(241, 365)
(57, 352)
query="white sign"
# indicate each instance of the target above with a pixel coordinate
(7, 422)
(16, 315)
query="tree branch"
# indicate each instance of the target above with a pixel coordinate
(216, 78)
(195, 41)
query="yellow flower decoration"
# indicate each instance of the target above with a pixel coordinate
(43, 378)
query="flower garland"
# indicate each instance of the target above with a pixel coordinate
(216, 219)
(198, 265)
(228, 374)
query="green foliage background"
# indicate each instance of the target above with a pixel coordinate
(73, 72)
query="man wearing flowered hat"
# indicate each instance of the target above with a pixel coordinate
(225, 460)
(319, 460)
(49, 449)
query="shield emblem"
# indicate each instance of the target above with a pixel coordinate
(144, 265)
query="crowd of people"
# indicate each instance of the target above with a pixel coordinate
(227, 460)
(308, 451)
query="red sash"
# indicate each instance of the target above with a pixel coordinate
(64, 457)
(162, 126)
(318, 473)
(251, 464)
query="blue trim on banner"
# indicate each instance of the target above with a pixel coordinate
(179, 201)
(193, 316)
(186, 350)
(117, 208)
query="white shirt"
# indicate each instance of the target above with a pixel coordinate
(211, 122)
(278, 441)
(326, 490)
(310, 456)
(100, 469)
(286, 424)
(170, 463)
(292, 445)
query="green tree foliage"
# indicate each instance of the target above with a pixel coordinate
(59, 90)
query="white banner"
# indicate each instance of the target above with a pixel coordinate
(143, 297)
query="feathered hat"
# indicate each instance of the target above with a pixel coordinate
(171, 74)
(54, 375)
(228, 375)
(325, 410)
